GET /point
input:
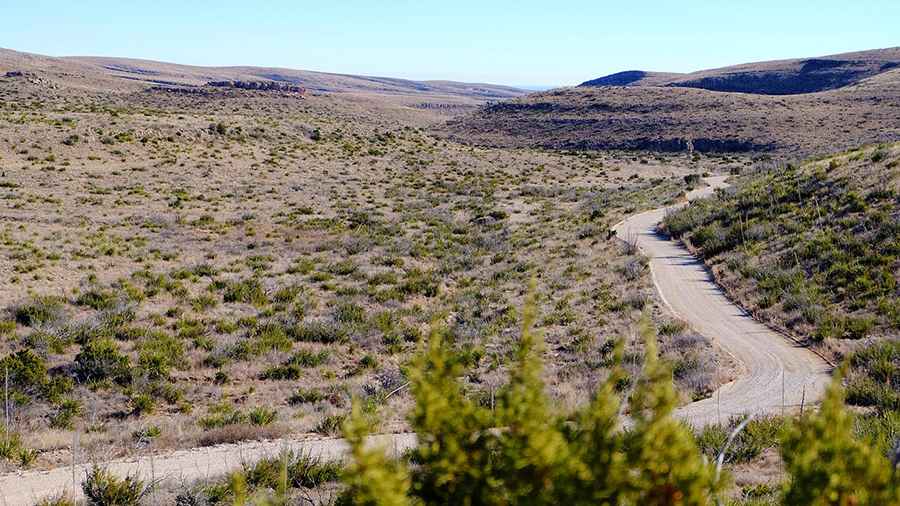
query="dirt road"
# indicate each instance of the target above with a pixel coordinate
(772, 367)
(774, 372)
(185, 466)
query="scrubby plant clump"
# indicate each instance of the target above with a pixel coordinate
(828, 466)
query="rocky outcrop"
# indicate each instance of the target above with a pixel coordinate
(259, 85)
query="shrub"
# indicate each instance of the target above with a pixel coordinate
(100, 359)
(221, 415)
(97, 299)
(40, 310)
(305, 395)
(159, 353)
(248, 291)
(59, 500)
(293, 368)
(349, 312)
(66, 411)
(262, 416)
(318, 331)
(539, 457)
(420, 283)
(27, 373)
(828, 465)
(102, 488)
(330, 425)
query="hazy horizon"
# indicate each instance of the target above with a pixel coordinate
(524, 44)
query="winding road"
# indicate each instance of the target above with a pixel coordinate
(775, 374)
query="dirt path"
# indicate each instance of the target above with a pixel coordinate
(184, 466)
(774, 371)
(771, 366)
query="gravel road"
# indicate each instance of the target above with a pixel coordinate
(775, 372)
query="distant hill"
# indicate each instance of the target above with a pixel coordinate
(724, 110)
(129, 74)
(782, 77)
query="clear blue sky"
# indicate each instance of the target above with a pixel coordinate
(513, 42)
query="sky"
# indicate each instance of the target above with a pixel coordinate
(523, 43)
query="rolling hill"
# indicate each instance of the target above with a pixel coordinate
(667, 112)
(128, 74)
(781, 77)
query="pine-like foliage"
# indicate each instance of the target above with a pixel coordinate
(828, 466)
(667, 466)
(525, 453)
(372, 478)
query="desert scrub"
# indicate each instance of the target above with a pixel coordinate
(100, 359)
(40, 310)
(811, 248)
(293, 368)
(102, 488)
(29, 379)
(757, 435)
(248, 291)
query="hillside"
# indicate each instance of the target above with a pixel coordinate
(673, 119)
(782, 77)
(106, 73)
(815, 249)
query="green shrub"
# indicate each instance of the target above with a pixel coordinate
(249, 291)
(349, 312)
(540, 457)
(306, 395)
(829, 466)
(65, 413)
(159, 353)
(262, 416)
(293, 368)
(221, 415)
(418, 282)
(40, 310)
(100, 359)
(98, 299)
(27, 373)
(318, 331)
(102, 488)
(59, 500)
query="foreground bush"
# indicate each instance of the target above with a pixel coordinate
(828, 466)
(525, 453)
(538, 457)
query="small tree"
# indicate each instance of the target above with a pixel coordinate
(828, 466)
(667, 466)
(372, 479)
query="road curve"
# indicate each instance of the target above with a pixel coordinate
(775, 373)
(767, 362)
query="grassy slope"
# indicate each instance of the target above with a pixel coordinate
(815, 248)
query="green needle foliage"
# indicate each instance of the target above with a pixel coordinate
(525, 452)
(372, 479)
(668, 468)
(828, 466)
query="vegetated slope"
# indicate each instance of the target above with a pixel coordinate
(782, 77)
(681, 119)
(816, 249)
(128, 73)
